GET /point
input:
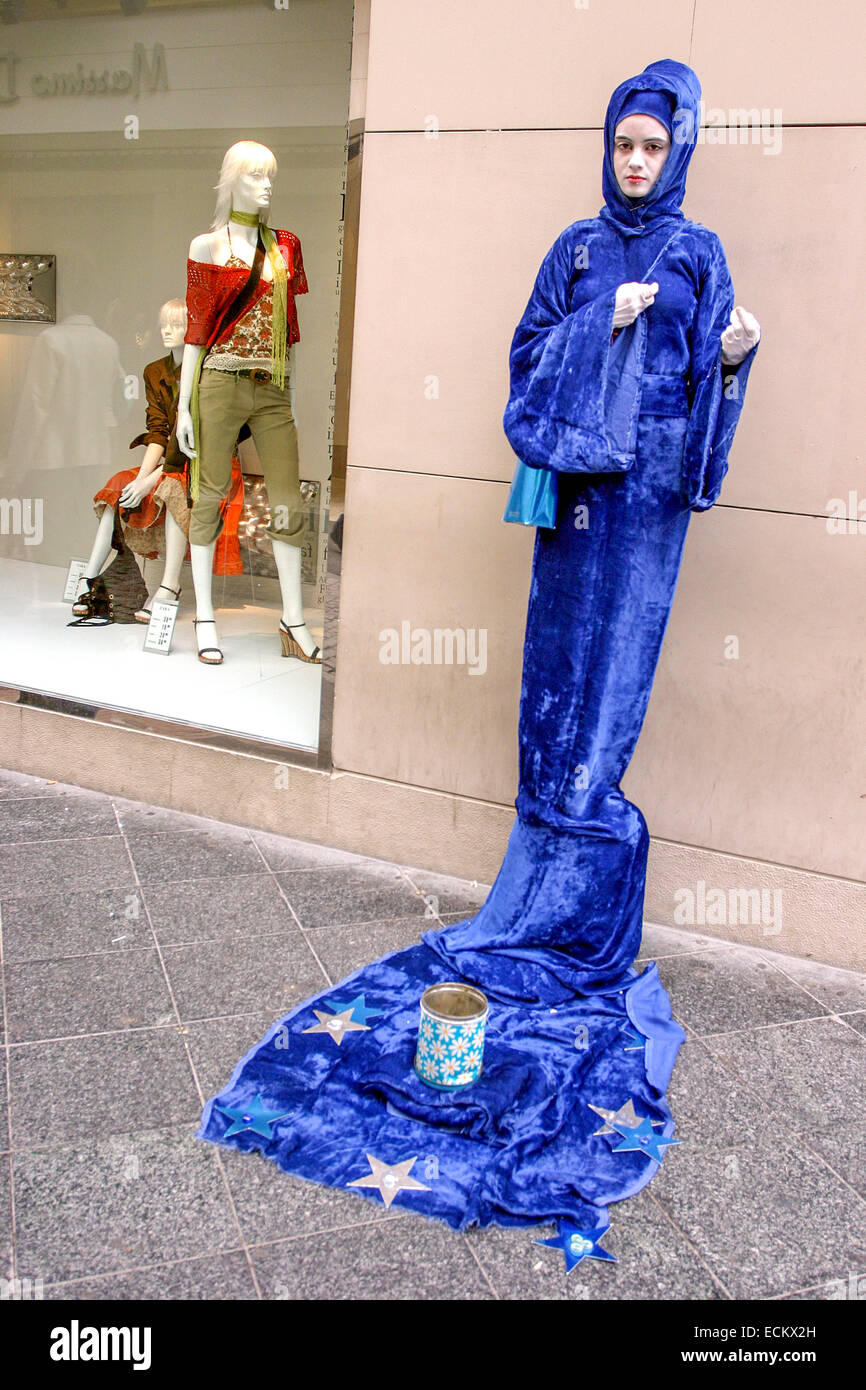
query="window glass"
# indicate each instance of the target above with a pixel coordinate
(115, 119)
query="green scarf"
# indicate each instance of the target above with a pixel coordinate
(278, 334)
(280, 274)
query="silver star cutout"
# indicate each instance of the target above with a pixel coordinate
(336, 1025)
(389, 1178)
(624, 1116)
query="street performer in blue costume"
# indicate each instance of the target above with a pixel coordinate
(628, 371)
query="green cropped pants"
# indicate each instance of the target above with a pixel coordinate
(226, 402)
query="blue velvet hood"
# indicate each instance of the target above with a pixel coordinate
(681, 86)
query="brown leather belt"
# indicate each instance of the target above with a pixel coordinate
(255, 373)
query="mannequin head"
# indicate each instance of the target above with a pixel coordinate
(641, 145)
(245, 182)
(172, 322)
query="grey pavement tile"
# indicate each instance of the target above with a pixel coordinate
(86, 1087)
(284, 854)
(387, 1260)
(856, 1021)
(27, 785)
(721, 991)
(22, 784)
(48, 925)
(70, 817)
(445, 894)
(4, 1127)
(233, 975)
(649, 1253)
(343, 950)
(447, 918)
(204, 909)
(119, 1202)
(86, 994)
(271, 1204)
(767, 1220)
(842, 991)
(658, 941)
(6, 1243)
(72, 865)
(219, 852)
(216, 1045)
(714, 1107)
(848, 1286)
(843, 1147)
(138, 818)
(338, 897)
(219, 1277)
(811, 1073)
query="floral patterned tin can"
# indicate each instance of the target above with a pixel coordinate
(451, 1035)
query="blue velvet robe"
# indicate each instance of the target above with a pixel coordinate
(637, 427)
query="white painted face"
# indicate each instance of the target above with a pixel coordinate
(172, 328)
(640, 147)
(253, 190)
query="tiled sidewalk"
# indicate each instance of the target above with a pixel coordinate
(145, 951)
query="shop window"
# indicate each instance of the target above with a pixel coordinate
(115, 119)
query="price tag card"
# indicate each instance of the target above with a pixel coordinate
(73, 578)
(160, 629)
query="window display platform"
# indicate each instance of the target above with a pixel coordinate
(255, 692)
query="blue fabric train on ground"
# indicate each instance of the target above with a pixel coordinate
(569, 1114)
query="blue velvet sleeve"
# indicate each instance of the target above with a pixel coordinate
(556, 413)
(717, 390)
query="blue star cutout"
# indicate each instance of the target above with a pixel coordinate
(254, 1116)
(642, 1140)
(577, 1245)
(637, 1040)
(360, 1012)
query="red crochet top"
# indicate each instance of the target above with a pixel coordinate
(210, 288)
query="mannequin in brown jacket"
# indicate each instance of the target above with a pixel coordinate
(152, 500)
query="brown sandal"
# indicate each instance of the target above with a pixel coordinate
(292, 647)
(143, 615)
(202, 651)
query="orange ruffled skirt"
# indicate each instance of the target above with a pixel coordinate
(144, 530)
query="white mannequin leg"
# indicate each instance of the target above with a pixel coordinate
(201, 561)
(175, 553)
(102, 543)
(288, 561)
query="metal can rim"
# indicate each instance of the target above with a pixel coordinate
(458, 1019)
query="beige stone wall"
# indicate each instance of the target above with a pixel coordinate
(750, 766)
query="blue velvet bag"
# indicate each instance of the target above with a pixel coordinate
(532, 499)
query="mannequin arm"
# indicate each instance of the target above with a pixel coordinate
(200, 249)
(185, 434)
(149, 474)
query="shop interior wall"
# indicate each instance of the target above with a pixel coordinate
(483, 141)
(119, 214)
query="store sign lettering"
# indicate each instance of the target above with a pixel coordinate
(146, 74)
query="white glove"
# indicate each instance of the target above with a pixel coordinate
(631, 300)
(740, 336)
